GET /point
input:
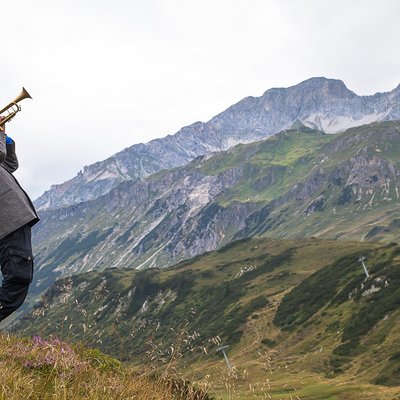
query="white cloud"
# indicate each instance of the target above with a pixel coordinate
(106, 75)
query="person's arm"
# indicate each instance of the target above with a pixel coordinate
(3, 150)
(11, 161)
(8, 158)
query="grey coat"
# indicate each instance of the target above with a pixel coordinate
(16, 208)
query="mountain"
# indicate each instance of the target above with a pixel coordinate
(298, 183)
(299, 313)
(320, 103)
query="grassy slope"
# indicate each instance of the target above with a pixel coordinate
(208, 301)
(276, 165)
(39, 369)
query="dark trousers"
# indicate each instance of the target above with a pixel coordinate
(16, 263)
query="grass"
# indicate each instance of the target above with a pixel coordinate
(41, 369)
(271, 166)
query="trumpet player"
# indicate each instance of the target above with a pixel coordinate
(17, 216)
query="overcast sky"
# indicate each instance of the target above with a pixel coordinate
(105, 75)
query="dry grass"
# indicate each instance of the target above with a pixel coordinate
(35, 368)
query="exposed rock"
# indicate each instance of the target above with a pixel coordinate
(316, 205)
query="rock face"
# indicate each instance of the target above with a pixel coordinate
(298, 183)
(319, 103)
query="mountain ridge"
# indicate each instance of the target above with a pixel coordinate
(320, 103)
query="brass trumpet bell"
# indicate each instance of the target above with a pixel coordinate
(13, 107)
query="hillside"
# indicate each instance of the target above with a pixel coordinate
(298, 315)
(43, 369)
(323, 104)
(298, 183)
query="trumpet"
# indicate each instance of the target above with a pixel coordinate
(13, 107)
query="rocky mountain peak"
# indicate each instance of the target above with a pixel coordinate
(318, 89)
(331, 86)
(326, 105)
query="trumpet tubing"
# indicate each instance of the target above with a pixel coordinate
(13, 107)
